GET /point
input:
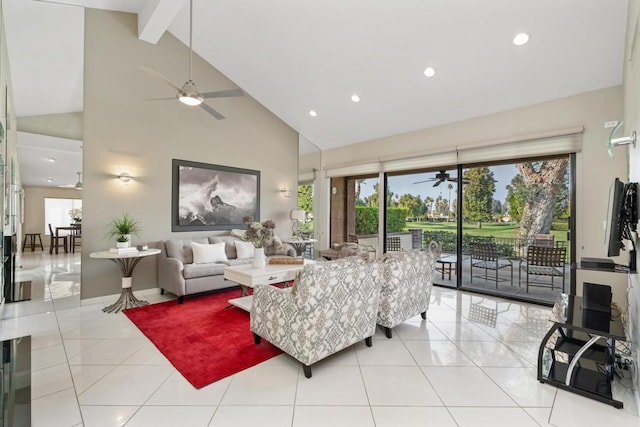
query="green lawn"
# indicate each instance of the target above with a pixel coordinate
(495, 229)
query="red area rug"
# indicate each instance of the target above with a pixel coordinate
(203, 339)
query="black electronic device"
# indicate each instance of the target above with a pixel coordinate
(596, 297)
(605, 264)
(613, 235)
(622, 220)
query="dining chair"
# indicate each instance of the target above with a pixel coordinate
(57, 242)
(76, 237)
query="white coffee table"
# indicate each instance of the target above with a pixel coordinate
(247, 277)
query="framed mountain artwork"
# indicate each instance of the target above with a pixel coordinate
(212, 197)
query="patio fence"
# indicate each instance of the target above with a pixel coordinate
(507, 246)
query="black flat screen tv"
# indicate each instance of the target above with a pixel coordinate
(615, 222)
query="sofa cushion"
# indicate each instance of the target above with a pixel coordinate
(207, 253)
(244, 249)
(192, 271)
(181, 249)
(230, 244)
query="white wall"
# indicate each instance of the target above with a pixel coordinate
(632, 122)
(125, 131)
(595, 170)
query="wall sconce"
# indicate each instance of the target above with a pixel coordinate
(285, 191)
(124, 177)
(616, 142)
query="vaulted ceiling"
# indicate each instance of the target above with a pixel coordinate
(298, 56)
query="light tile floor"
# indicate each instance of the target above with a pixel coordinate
(95, 369)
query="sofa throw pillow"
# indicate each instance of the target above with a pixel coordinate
(229, 247)
(239, 233)
(244, 249)
(205, 253)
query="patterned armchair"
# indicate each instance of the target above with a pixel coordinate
(407, 279)
(331, 306)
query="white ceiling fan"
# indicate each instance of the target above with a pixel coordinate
(77, 185)
(188, 94)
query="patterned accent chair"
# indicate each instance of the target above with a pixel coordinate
(331, 306)
(406, 286)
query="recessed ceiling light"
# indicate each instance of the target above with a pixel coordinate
(49, 180)
(521, 39)
(51, 159)
(313, 113)
(355, 98)
(429, 71)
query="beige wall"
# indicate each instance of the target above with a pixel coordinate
(125, 131)
(34, 207)
(8, 144)
(632, 122)
(595, 170)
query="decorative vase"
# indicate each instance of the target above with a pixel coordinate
(259, 260)
(121, 245)
(128, 236)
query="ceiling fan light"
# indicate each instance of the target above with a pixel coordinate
(79, 183)
(190, 100)
(189, 95)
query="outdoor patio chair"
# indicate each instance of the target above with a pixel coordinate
(543, 262)
(393, 244)
(484, 255)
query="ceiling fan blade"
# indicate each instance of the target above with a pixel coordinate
(437, 183)
(426, 180)
(224, 93)
(161, 77)
(452, 179)
(211, 111)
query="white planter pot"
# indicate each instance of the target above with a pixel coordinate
(259, 260)
(121, 245)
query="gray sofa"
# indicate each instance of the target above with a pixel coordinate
(178, 274)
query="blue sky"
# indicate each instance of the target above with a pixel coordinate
(404, 184)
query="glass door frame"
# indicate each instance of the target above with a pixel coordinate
(571, 227)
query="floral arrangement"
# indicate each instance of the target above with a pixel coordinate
(76, 214)
(258, 233)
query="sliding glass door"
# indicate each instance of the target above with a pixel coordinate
(503, 227)
(421, 208)
(515, 221)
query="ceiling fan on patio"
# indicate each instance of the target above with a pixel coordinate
(440, 177)
(188, 94)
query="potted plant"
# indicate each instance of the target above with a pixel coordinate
(122, 242)
(123, 227)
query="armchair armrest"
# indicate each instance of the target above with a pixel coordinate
(276, 317)
(170, 277)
